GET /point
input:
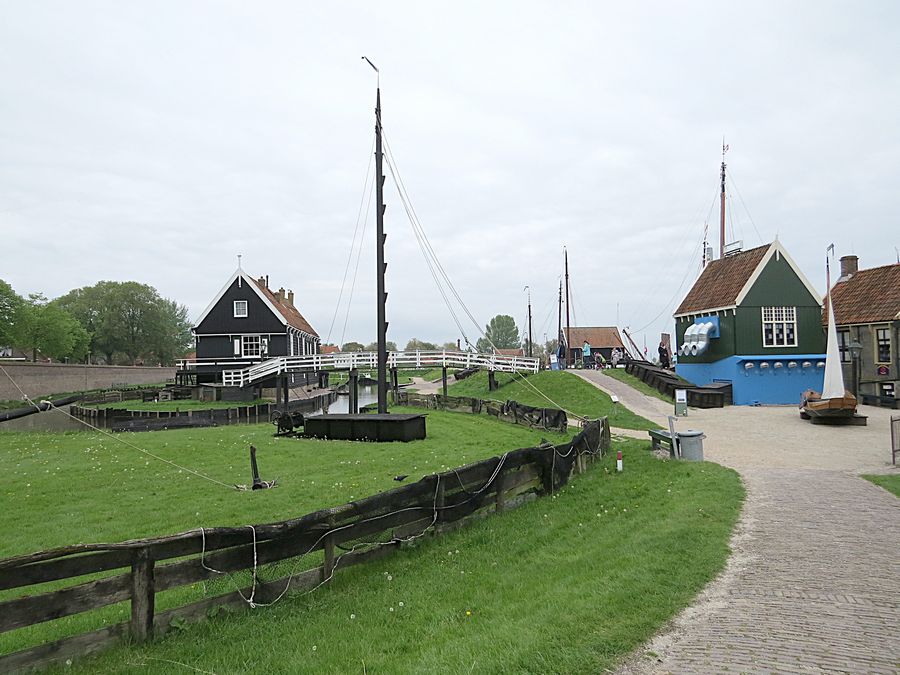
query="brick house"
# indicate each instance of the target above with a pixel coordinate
(867, 311)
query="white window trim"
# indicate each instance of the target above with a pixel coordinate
(763, 322)
(875, 329)
(246, 309)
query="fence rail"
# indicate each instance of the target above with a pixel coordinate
(150, 566)
(351, 360)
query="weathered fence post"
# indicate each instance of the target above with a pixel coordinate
(143, 595)
(328, 562)
(444, 379)
(500, 503)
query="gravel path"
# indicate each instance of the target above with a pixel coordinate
(813, 583)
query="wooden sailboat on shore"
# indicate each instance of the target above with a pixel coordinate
(834, 402)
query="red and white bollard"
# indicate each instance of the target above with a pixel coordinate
(619, 461)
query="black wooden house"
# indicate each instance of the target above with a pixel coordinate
(245, 324)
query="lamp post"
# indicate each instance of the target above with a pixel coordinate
(855, 351)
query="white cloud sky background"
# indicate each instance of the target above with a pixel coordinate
(156, 141)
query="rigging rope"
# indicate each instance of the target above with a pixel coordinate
(428, 252)
(118, 439)
(366, 190)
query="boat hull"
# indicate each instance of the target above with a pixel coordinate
(813, 405)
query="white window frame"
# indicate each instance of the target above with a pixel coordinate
(238, 314)
(844, 345)
(875, 331)
(255, 344)
(779, 317)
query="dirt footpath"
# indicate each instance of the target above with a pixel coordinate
(812, 583)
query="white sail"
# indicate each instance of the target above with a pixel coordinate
(834, 377)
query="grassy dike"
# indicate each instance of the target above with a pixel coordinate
(563, 389)
(569, 583)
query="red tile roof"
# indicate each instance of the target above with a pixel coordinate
(597, 336)
(330, 349)
(518, 351)
(722, 281)
(868, 296)
(288, 311)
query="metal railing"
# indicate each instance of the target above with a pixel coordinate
(368, 360)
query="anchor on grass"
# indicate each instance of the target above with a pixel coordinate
(257, 483)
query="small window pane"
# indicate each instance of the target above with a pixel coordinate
(240, 309)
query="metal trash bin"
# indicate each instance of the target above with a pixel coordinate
(691, 444)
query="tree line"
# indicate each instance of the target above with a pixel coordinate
(500, 332)
(110, 322)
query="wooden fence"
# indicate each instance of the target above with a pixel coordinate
(513, 412)
(151, 566)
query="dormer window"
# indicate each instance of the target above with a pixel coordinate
(240, 309)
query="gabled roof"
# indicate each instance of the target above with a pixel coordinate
(510, 351)
(286, 313)
(722, 281)
(330, 349)
(595, 336)
(725, 282)
(868, 296)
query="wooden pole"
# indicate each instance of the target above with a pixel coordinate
(568, 327)
(380, 264)
(444, 379)
(142, 595)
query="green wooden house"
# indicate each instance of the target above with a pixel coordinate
(754, 320)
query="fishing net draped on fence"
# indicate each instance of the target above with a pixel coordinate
(259, 564)
(551, 419)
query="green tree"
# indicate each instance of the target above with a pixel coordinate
(390, 345)
(420, 345)
(353, 347)
(173, 338)
(49, 329)
(551, 345)
(11, 304)
(450, 346)
(502, 332)
(130, 319)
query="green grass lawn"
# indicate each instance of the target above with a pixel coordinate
(633, 382)
(891, 483)
(172, 406)
(566, 584)
(564, 390)
(89, 487)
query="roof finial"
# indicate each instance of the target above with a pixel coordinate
(239, 260)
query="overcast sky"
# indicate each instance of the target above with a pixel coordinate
(156, 141)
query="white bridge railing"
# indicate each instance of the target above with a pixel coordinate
(368, 360)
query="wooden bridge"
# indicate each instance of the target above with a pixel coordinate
(369, 360)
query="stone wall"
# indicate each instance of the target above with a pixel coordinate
(40, 379)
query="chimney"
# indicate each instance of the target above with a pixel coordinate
(849, 266)
(280, 294)
(261, 281)
(291, 298)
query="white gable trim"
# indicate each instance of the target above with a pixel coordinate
(776, 248)
(252, 284)
(705, 312)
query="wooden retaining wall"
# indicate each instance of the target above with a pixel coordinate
(139, 569)
(552, 419)
(716, 395)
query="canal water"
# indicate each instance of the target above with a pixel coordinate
(59, 421)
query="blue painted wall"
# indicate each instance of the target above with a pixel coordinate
(764, 381)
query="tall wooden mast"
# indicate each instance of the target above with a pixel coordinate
(529, 321)
(568, 331)
(380, 264)
(722, 206)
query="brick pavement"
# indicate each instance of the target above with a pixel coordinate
(813, 583)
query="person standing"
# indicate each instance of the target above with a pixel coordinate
(586, 354)
(663, 355)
